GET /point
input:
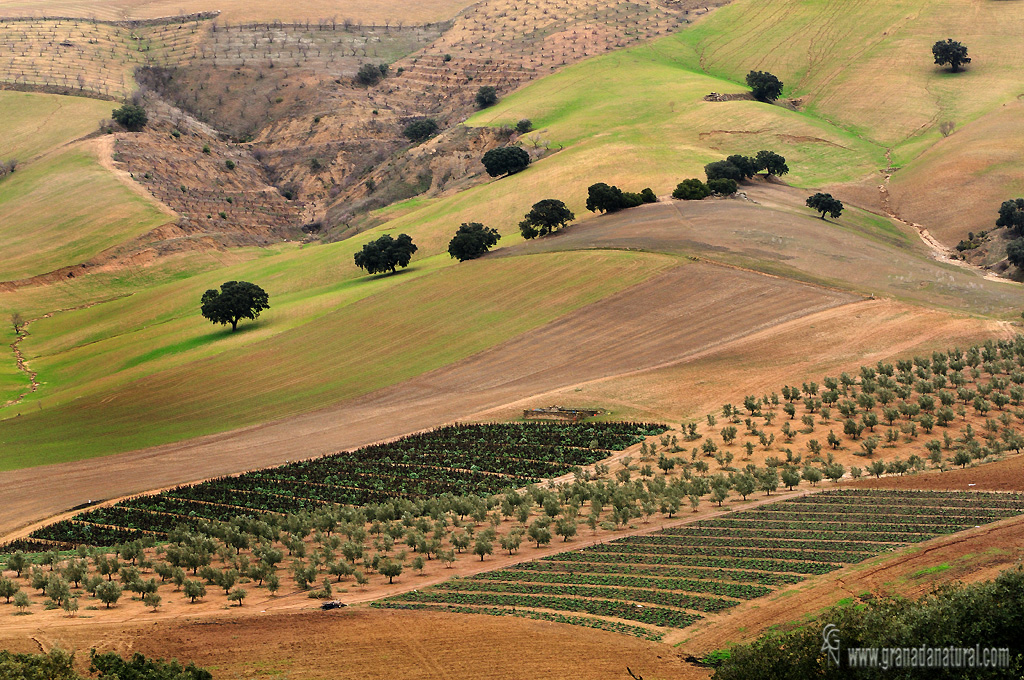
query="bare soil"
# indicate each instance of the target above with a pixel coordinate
(367, 644)
(1003, 475)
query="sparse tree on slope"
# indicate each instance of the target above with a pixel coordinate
(236, 300)
(545, 217)
(386, 254)
(764, 85)
(950, 52)
(471, 241)
(824, 203)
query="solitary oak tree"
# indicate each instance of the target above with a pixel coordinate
(235, 301)
(505, 160)
(764, 85)
(824, 203)
(950, 52)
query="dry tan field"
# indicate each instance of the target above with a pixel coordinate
(233, 11)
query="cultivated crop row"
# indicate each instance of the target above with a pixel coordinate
(671, 577)
(459, 459)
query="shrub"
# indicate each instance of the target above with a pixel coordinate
(648, 196)
(691, 190)
(524, 126)
(229, 164)
(370, 74)
(486, 96)
(131, 117)
(421, 130)
(722, 186)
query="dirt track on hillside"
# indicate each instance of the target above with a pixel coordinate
(676, 315)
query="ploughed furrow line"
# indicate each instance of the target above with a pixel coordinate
(671, 578)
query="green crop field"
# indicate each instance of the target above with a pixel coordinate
(672, 578)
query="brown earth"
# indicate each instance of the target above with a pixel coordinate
(969, 556)
(635, 330)
(1003, 475)
(369, 644)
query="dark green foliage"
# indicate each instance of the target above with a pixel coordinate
(385, 254)
(545, 217)
(950, 52)
(56, 665)
(421, 130)
(505, 160)
(524, 126)
(603, 197)
(772, 163)
(723, 186)
(131, 117)
(236, 300)
(692, 190)
(647, 195)
(745, 164)
(471, 241)
(723, 170)
(1011, 214)
(371, 74)
(824, 203)
(988, 614)
(1015, 252)
(110, 665)
(764, 85)
(486, 96)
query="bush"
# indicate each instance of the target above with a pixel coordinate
(229, 164)
(648, 196)
(524, 126)
(486, 96)
(370, 74)
(723, 186)
(421, 130)
(505, 160)
(691, 190)
(131, 117)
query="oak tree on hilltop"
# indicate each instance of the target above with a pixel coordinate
(950, 52)
(386, 254)
(235, 301)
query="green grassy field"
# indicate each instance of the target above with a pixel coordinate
(36, 123)
(115, 381)
(64, 209)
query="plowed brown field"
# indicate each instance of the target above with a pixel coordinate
(370, 644)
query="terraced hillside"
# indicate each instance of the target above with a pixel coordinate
(643, 585)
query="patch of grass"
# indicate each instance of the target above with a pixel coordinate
(938, 568)
(35, 123)
(306, 352)
(63, 210)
